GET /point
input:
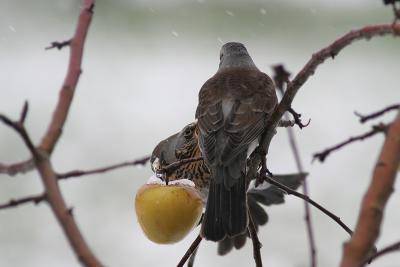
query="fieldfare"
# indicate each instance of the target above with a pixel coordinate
(185, 145)
(233, 108)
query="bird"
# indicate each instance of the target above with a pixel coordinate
(185, 145)
(233, 107)
(182, 145)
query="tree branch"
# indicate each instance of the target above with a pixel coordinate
(54, 196)
(281, 77)
(309, 69)
(190, 251)
(364, 118)
(67, 91)
(41, 154)
(391, 248)
(256, 242)
(77, 173)
(192, 258)
(16, 168)
(309, 200)
(321, 156)
(58, 45)
(15, 202)
(356, 250)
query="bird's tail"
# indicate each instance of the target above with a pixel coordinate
(259, 217)
(226, 210)
(267, 196)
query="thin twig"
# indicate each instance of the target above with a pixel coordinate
(24, 112)
(305, 73)
(53, 133)
(192, 258)
(367, 230)
(297, 118)
(256, 242)
(309, 200)
(67, 91)
(307, 211)
(190, 251)
(389, 249)
(36, 199)
(54, 196)
(59, 45)
(364, 118)
(41, 154)
(17, 168)
(77, 173)
(321, 156)
(20, 129)
(281, 78)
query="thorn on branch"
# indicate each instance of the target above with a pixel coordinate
(321, 156)
(70, 211)
(364, 118)
(297, 120)
(59, 45)
(91, 8)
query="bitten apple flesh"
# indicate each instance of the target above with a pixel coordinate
(167, 213)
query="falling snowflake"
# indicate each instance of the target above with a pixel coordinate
(12, 28)
(230, 13)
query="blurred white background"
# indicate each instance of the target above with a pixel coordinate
(144, 63)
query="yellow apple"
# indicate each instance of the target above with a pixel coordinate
(167, 213)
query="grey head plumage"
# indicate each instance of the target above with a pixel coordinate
(165, 152)
(233, 55)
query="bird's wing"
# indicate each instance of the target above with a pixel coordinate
(210, 119)
(253, 97)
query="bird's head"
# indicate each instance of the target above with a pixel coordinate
(164, 153)
(235, 54)
(178, 146)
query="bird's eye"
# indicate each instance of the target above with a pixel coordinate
(188, 133)
(220, 56)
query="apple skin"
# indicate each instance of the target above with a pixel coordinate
(167, 213)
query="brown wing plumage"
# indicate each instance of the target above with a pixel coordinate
(252, 96)
(232, 112)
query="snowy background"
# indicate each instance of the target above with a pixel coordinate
(144, 63)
